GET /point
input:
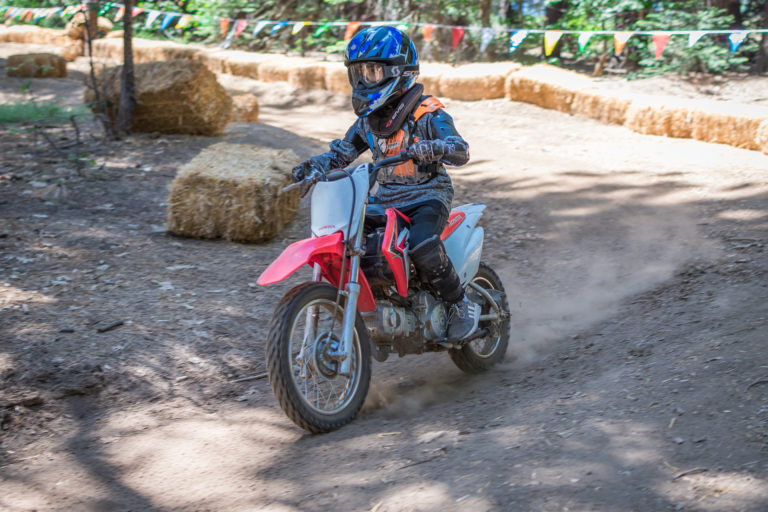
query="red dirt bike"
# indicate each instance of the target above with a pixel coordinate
(322, 334)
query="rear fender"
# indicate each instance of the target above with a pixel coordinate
(327, 252)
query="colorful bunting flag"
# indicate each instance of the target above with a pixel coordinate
(239, 27)
(428, 32)
(736, 38)
(119, 14)
(620, 39)
(516, 39)
(456, 34)
(184, 21)
(584, 38)
(259, 26)
(694, 37)
(151, 17)
(352, 27)
(322, 28)
(486, 36)
(167, 20)
(660, 41)
(298, 26)
(403, 27)
(277, 26)
(551, 37)
(224, 25)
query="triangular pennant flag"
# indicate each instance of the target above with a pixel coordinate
(403, 27)
(352, 27)
(298, 26)
(456, 34)
(428, 32)
(239, 27)
(551, 37)
(136, 11)
(322, 28)
(120, 13)
(259, 26)
(584, 38)
(486, 36)
(151, 17)
(29, 14)
(277, 26)
(516, 39)
(736, 38)
(167, 20)
(224, 25)
(693, 37)
(620, 39)
(660, 41)
(184, 21)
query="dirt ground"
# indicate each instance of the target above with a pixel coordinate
(637, 376)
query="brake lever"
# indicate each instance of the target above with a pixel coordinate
(306, 183)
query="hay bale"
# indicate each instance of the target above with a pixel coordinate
(602, 105)
(670, 117)
(177, 96)
(76, 29)
(233, 191)
(144, 50)
(430, 74)
(728, 123)
(307, 76)
(29, 34)
(36, 65)
(476, 81)
(761, 138)
(237, 63)
(545, 86)
(245, 108)
(71, 49)
(281, 70)
(336, 79)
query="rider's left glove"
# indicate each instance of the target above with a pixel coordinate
(426, 151)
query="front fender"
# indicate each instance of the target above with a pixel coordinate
(327, 251)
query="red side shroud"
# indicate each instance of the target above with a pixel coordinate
(394, 253)
(327, 251)
(454, 221)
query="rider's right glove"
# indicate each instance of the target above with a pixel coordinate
(426, 151)
(302, 170)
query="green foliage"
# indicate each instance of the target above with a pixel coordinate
(32, 112)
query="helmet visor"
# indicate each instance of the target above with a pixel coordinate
(369, 73)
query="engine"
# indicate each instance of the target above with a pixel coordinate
(406, 330)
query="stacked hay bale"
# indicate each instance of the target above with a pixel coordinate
(307, 75)
(336, 79)
(602, 105)
(245, 108)
(761, 138)
(36, 65)
(29, 34)
(477, 81)
(732, 124)
(545, 86)
(76, 27)
(143, 50)
(177, 96)
(670, 117)
(233, 191)
(430, 75)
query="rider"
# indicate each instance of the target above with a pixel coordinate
(393, 116)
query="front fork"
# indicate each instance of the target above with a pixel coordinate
(352, 292)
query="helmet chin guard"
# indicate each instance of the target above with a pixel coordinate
(382, 64)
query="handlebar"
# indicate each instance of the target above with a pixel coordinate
(316, 175)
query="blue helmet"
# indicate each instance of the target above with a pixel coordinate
(381, 64)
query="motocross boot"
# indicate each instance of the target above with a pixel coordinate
(433, 263)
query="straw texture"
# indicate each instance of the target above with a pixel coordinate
(245, 108)
(476, 81)
(233, 191)
(36, 65)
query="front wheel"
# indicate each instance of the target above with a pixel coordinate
(304, 332)
(481, 354)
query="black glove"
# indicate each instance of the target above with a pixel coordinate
(304, 169)
(426, 151)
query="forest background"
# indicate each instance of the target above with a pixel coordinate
(711, 55)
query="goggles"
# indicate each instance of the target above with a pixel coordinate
(372, 74)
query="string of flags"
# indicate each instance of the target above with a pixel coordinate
(231, 29)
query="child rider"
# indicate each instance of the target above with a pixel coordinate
(394, 116)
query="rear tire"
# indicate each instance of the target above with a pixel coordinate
(304, 379)
(481, 354)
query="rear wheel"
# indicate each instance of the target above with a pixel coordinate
(481, 354)
(304, 332)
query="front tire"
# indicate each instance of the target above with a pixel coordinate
(304, 330)
(481, 354)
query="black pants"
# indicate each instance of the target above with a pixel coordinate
(427, 219)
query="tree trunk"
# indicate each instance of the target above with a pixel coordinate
(731, 7)
(761, 60)
(127, 86)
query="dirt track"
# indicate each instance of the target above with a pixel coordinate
(637, 373)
